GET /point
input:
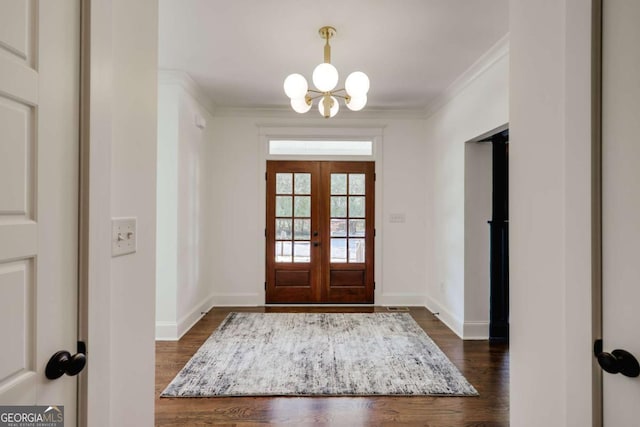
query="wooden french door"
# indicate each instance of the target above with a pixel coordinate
(320, 232)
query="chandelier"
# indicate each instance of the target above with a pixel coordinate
(325, 79)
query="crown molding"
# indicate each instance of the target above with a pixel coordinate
(184, 80)
(311, 130)
(498, 51)
(287, 113)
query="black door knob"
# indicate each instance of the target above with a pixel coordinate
(616, 362)
(64, 363)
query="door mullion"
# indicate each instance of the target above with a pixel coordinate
(317, 201)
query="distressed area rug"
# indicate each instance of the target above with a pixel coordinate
(318, 354)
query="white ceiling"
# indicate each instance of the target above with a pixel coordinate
(240, 51)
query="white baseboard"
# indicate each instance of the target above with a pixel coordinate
(445, 316)
(238, 300)
(187, 321)
(477, 330)
(173, 331)
(472, 330)
(166, 331)
(254, 300)
(407, 300)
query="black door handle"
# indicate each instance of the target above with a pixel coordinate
(64, 363)
(618, 361)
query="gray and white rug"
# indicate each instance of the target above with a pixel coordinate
(318, 354)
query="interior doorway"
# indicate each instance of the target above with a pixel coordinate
(320, 232)
(486, 247)
(499, 239)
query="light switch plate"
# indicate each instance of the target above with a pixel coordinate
(397, 218)
(123, 236)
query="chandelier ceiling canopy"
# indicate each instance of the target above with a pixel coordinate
(325, 78)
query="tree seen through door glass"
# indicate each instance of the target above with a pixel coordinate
(338, 206)
(356, 207)
(303, 183)
(283, 251)
(356, 227)
(302, 206)
(301, 229)
(284, 183)
(283, 228)
(356, 183)
(284, 206)
(338, 227)
(338, 183)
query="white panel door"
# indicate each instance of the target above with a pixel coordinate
(39, 92)
(621, 203)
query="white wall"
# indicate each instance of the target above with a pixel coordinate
(237, 183)
(478, 189)
(405, 167)
(133, 184)
(478, 105)
(194, 285)
(550, 209)
(167, 212)
(184, 289)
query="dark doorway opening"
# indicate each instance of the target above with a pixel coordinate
(499, 240)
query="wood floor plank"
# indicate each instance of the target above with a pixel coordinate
(485, 365)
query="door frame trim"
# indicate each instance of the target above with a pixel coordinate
(596, 205)
(267, 132)
(94, 254)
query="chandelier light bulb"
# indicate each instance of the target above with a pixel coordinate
(295, 86)
(300, 105)
(333, 110)
(357, 103)
(325, 77)
(357, 84)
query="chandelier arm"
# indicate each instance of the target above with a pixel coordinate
(345, 97)
(311, 98)
(314, 91)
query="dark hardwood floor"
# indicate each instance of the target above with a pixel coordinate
(485, 366)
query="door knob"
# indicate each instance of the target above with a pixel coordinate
(64, 363)
(618, 361)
